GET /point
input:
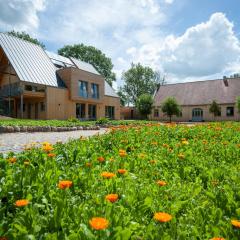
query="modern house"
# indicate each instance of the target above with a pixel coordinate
(195, 99)
(37, 84)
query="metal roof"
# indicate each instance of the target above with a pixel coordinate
(29, 61)
(60, 60)
(33, 64)
(84, 66)
(109, 90)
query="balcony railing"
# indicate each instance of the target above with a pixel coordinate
(11, 90)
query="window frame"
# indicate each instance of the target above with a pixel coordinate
(232, 111)
(80, 89)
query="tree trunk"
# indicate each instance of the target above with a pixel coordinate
(170, 117)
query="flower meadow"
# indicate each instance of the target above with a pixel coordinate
(136, 182)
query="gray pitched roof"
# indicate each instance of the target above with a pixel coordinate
(29, 61)
(109, 90)
(33, 64)
(84, 66)
(201, 92)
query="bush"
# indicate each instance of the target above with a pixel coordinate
(102, 121)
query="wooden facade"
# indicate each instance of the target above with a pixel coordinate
(22, 99)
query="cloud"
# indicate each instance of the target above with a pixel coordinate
(169, 1)
(20, 15)
(203, 50)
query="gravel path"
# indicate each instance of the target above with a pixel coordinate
(16, 142)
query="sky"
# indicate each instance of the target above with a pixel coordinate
(186, 40)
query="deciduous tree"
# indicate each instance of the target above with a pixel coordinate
(144, 104)
(27, 37)
(91, 55)
(171, 107)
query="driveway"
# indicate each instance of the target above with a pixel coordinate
(16, 142)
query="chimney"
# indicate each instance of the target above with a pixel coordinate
(225, 81)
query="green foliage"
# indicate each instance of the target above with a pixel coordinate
(123, 97)
(73, 120)
(171, 107)
(27, 37)
(93, 56)
(215, 109)
(238, 103)
(139, 80)
(202, 191)
(103, 121)
(144, 104)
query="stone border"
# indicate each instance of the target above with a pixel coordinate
(12, 129)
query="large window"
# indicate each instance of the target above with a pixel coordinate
(230, 111)
(92, 112)
(95, 90)
(109, 112)
(83, 89)
(80, 110)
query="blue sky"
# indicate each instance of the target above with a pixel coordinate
(185, 40)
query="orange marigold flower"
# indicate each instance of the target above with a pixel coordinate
(217, 238)
(47, 148)
(236, 223)
(142, 155)
(162, 217)
(100, 159)
(181, 155)
(108, 175)
(122, 153)
(122, 171)
(99, 223)
(154, 143)
(51, 155)
(65, 184)
(12, 159)
(21, 203)
(112, 197)
(161, 183)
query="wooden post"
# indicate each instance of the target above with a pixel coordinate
(21, 105)
(9, 90)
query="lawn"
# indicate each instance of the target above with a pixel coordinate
(143, 182)
(65, 123)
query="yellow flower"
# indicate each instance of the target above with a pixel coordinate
(236, 223)
(185, 142)
(12, 159)
(181, 155)
(47, 148)
(122, 153)
(108, 175)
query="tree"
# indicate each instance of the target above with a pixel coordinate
(139, 80)
(171, 107)
(144, 104)
(27, 37)
(238, 104)
(123, 97)
(93, 56)
(215, 108)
